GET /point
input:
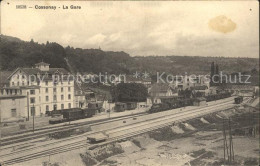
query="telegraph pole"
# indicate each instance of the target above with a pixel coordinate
(231, 141)
(33, 116)
(224, 142)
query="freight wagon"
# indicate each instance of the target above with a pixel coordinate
(238, 100)
(180, 102)
(65, 115)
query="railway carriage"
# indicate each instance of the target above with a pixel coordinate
(59, 116)
(181, 102)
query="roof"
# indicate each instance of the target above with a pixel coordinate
(200, 99)
(98, 137)
(41, 63)
(119, 103)
(35, 71)
(159, 88)
(136, 79)
(3, 77)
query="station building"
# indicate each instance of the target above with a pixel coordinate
(45, 88)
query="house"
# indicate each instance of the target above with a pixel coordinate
(202, 90)
(79, 97)
(187, 82)
(138, 80)
(147, 82)
(120, 107)
(12, 103)
(98, 106)
(131, 105)
(46, 88)
(159, 91)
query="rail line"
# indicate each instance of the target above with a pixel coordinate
(82, 135)
(165, 121)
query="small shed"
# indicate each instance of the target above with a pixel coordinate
(96, 105)
(200, 101)
(119, 107)
(131, 105)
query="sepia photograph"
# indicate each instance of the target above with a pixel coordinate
(129, 83)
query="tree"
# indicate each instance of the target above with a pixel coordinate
(129, 92)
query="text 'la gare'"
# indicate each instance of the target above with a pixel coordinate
(71, 7)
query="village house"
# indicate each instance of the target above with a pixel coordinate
(159, 91)
(12, 103)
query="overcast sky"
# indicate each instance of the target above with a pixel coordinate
(141, 28)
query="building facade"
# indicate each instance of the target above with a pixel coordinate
(12, 104)
(46, 88)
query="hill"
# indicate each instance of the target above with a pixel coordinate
(17, 53)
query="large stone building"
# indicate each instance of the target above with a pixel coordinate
(46, 89)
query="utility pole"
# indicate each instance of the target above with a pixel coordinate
(33, 116)
(28, 106)
(231, 142)
(225, 143)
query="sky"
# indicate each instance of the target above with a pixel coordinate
(140, 28)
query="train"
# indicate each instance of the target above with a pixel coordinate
(65, 115)
(238, 99)
(181, 102)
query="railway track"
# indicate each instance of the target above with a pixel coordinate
(46, 131)
(13, 141)
(153, 124)
(29, 143)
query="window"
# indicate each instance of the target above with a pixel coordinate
(23, 83)
(32, 100)
(61, 89)
(62, 106)
(32, 92)
(54, 90)
(46, 83)
(17, 83)
(22, 76)
(47, 108)
(69, 89)
(69, 105)
(12, 83)
(69, 97)
(17, 76)
(13, 111)
(54, 107)
(2, 91)
(46, 90)
(62, 97)
(47, 98)
(15, 91)
(54, 97)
